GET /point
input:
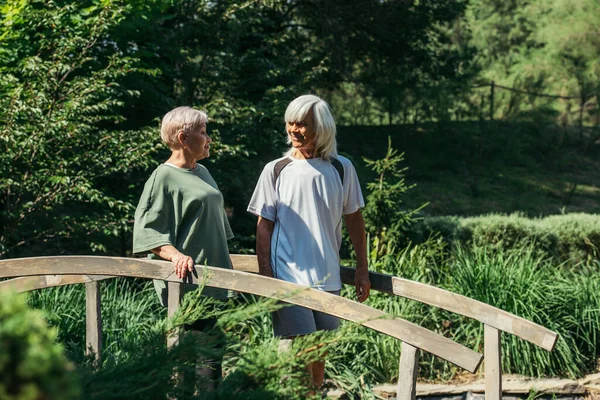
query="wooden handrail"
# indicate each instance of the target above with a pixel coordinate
(459, 304)
(408, 332)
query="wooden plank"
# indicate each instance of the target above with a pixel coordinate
(88, 265)
(29, 283)
(407, 374)
(493, 363)
(245, 282)
(93, 322)
(175, 291)
(492, 316)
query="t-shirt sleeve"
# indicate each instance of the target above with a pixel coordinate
(264, 199)
(154, 219)
(353, 198)
(228, 232)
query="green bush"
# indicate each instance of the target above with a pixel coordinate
(32, 365)
(571, 238)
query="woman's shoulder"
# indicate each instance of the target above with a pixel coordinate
(162, 175)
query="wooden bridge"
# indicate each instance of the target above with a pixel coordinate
(43, 272)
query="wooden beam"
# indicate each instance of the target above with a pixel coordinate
(493, 364)
(491, 316)
(175, 293)
(26, 284)
(407, 373)
(244, 282)
(93, 322)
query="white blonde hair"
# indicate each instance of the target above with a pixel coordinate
(184, 119)
(325, 130)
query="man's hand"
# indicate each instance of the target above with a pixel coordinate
(356, 228)
(180, 261)
(362, 283)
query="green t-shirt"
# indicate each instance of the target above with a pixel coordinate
(184, 208)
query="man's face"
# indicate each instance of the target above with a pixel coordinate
(302, 133)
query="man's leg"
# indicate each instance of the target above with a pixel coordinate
(292, 321)
(323, 322)
(316, 370)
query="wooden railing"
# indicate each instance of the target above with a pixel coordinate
(43, 272)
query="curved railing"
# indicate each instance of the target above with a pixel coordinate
(494, 319)
(45, 272)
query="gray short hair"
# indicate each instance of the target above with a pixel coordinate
(325, 130)
(184, 119)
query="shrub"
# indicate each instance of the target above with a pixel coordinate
(571, 238)
(32, 365)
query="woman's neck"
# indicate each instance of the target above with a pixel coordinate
(182, 160)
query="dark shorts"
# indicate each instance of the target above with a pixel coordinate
(292, 321)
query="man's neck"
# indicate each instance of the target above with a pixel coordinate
(304, 154)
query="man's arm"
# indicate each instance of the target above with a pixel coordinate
(356, 228)
(264, 231)
(181, 262)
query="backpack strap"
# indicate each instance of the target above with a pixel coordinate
(281, 164)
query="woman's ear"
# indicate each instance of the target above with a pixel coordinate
(181, 138)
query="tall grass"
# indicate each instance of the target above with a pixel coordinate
(539, 290)
(519, 280)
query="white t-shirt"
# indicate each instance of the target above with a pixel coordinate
(307, 203)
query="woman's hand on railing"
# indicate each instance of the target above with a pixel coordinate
(180, 261)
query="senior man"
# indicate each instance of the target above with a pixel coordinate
(300, 200)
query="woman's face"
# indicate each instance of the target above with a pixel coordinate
(198, 142)
(302, 133)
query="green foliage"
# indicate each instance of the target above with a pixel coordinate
(60, 144)
(32, 365)
(516, 280)
(571, 238)
(540, 46)
(525, 284)
(385, 220)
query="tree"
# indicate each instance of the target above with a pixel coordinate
(61, 152)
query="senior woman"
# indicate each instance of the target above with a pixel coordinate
(180, 216)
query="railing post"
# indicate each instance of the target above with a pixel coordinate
(407, 374)
(175, 292)
(93, 321)
(493, 364)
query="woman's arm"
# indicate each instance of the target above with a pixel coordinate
(356, 228)
(264, 231)
(181, 262)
